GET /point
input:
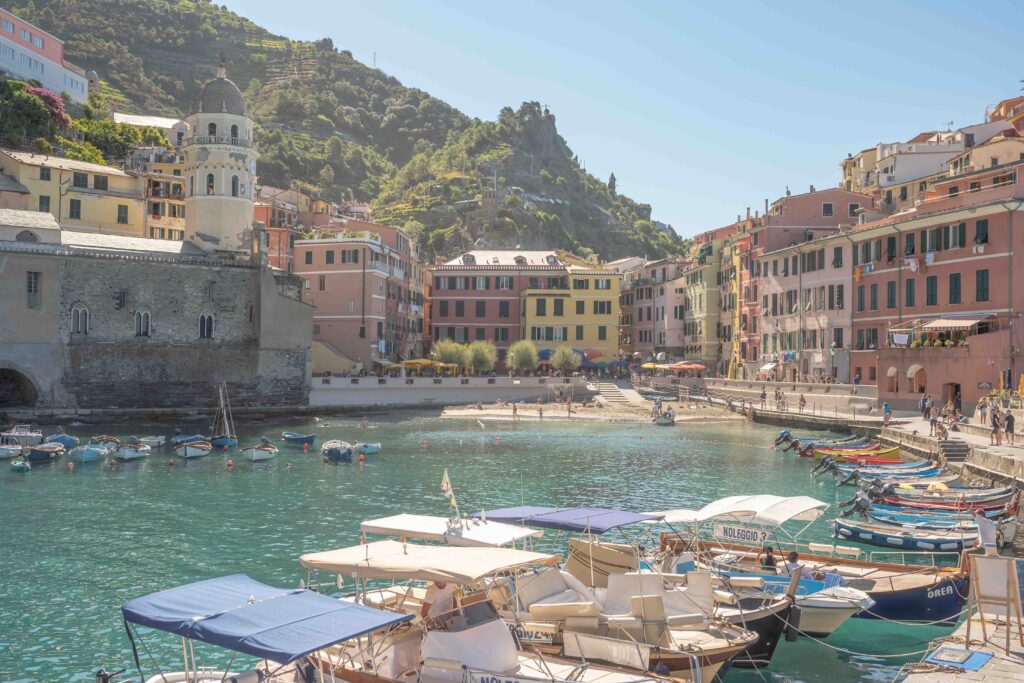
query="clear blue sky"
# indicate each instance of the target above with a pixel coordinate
(699, 108)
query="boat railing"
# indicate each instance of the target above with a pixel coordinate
(902, 555)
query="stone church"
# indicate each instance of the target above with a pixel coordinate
(93, 320)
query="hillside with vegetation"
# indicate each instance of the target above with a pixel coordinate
(330, 124)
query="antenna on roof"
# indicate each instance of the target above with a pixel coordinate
(949, 126)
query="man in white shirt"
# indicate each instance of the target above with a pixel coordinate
(438, 603)
(792, 566)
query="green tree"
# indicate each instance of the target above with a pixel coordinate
(326, 178)
(448, 351)
(522, 356)
(565, 359)
(482, 356)
(611, 183)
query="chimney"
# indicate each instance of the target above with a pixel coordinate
(766, 206)
(812, 188)
(748, 213)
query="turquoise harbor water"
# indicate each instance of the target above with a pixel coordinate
(76, 545)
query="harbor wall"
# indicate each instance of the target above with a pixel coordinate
(383, 391)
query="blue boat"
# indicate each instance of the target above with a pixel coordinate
(20, 465)
(368, 448)
(179, 439)
(940, 602)
(301, 439)
(936, 513)
(88, 453)
(223, 442)
(905, 538)
(65, 440)
(44, 452)
(337, 451)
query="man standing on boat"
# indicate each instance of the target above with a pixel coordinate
(438, 603)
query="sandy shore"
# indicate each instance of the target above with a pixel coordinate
(595, 413)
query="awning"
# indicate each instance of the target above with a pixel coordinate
(648, 366)
(955, 322)
(241, 614)
(592, 520)
(408, 561)
(768, 366)
(472, 532)
(761, 509)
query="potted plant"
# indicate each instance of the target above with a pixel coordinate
(949, 343)
(915, 344)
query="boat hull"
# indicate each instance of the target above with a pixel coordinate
(769, 623)
(131, 451)
(368, 448)
(9, 451)
(941, 602)
(42, 453)
(180, 439)
(901, 538)
(224, 442)
(20, 466)
(65, 440)
(337, 454)
(24, 437)
(257, 454)
(300, 439)
(91, 453)
(195, 449)
(663, 421)
(153, 441)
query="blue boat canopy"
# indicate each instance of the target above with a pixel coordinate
(593, 520)
(241, 614)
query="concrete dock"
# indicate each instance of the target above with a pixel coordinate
(1002, 668)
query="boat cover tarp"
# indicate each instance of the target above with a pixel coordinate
(593, 520)
(472, 532)
(408, 561)
(241, 614)
(762, 509)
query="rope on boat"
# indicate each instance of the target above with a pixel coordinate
(852, 652)
(917, 623)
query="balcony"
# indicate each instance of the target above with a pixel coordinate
(161, 193)
(218, 140)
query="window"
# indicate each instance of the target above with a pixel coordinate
(853, 209)
(981, 231)
(837, 257)
(602, 307)
(579, 333)
(142, 323)
(309, 257)
(504, 283)
(26, 36)
(211, 130)
(75, 209)
(322, 283)
(954, 191)
(34, 289)
(234, 132)
(981, 285)
(442, 311)
(874, 296)
(581, 307)
(122, 214)
(890, 294)
(954, 288)
(460, 309)
(903, 193)
(481, 309)
(316, 329)
(480, 331)
(8, 26)
(580, 283)
(559, 305)
(931, 291)
(44, 173)
(503, 309)
(482, 283)
(329, 256)
(38, 42)
(80, 180)
(206, 326)
(826, 209)
(908, 299)
(99, 182)
(234, 186)
(501, 334)
(44, 203)
(908, 250)
(602, 332)
(860, 298)
(602, 284)
(209, 183)
(542, 307)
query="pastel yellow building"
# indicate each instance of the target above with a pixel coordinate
(576, 307)
(80, 195)
(161, 172)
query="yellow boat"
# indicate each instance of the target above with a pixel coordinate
(892, 453)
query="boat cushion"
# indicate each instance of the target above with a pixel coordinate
(567, 603)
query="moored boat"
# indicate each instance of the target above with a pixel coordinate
(336, 451)
(154, 441)
(264, 451)
(65, 440)
(131, 450)
(44, 452)
(223, 422)
(180, 438)
(891, 452)
(87, 453)
(905, 537)
(193, 449)
(26, 435)
(20, 465)
(664, 420)
(9, 447)
(105, 441)
(300, 439)
(367, 448)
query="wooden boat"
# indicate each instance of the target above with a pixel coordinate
(223, 421)
(939, 522)
(905, 537)
(664, 420)
(88, 453)
(108, 442)
(367, 448)
(20, 465)
(892, 452)
(264, 451)
(179, 439)
(336, 451)
(300, 439)
(786, 437)
(131, 450)
(937, 513)
(154, 441)
(65, 440)
(193, 449)
(44, 452)
(9, 447)
(26, 435)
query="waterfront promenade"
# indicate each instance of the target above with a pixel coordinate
(1003, 667)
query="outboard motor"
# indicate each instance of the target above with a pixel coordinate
(853, 476)
(826, 462)
(860, 505)
(783, 436)
(104, 676)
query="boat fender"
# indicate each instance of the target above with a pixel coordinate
(305, 447)
(362, 458)
(793, 625)
(171, 463)
(70, 466)
(251, 676)
(231, 463)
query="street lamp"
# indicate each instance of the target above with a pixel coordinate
(1011, 206)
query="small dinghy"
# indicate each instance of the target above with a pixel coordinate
(179, 439)
(9, 447)
(300, 439)
(223, 422)
(154, 441)
(337, 451)
(367, 448)
(87, 453)
(65, 440)
(105, 441)
(905, 537)
(193, 449)
(265, 451)
(664, 420)
(132, 449)
(20, 465)
(45, 452)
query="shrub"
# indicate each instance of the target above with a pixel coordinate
(482, 356)
(448, 351)
(565, 359)
(522, 356)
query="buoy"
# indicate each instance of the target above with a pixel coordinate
(362, 458)
(171, 463)
(71, 466)
(425, 443)
(231, 463)
(497, 439)
(305, 447)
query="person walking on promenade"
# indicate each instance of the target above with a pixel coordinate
(1008, 425)
(923, 406)
(764, 398)
(933, 420)
(886, 413)
(994, 420)
(515, 412)
(983, 411)
(803, 403)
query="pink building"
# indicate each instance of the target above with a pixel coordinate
(934, 299)
(31, 53)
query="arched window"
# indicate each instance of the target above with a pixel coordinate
(206, 326)
(234, 132)
(209, 183)
(26, 236)
(234, 186)
(79, 319)
(142, 323)
(211, 130)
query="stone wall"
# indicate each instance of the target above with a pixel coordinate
(395, 391)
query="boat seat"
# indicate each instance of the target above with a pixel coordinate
(548, 595)
(679, 610)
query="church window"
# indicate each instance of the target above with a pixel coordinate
(234, 133)
(206, 326)
(79, 319)
(209, 183)
(142, 323)
(234, 186)
(211, 130)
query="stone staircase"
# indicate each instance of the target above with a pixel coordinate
(954, 450)
(611, 393)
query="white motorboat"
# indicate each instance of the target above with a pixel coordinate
(194, 449)
(154, 441)
(130, 451)
(9, 447)
(26, 435)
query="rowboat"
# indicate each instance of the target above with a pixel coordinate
(367, 448)
(336, 451)
(88, 453)
(936, 513)
(130, 450)
(179, 439)
(300, 439)
(264, 451)
(107, 442)
(664, 420)
(65, 440)
(904, 537)
(193, 449)
(953, 505)
(223, 421)
(9, 447)
(20, 465)
(44, 452)
(26, 435)
(1007, 527)
(786, 437)
(892, 452)
(153, 441)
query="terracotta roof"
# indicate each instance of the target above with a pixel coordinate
(922, 137)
